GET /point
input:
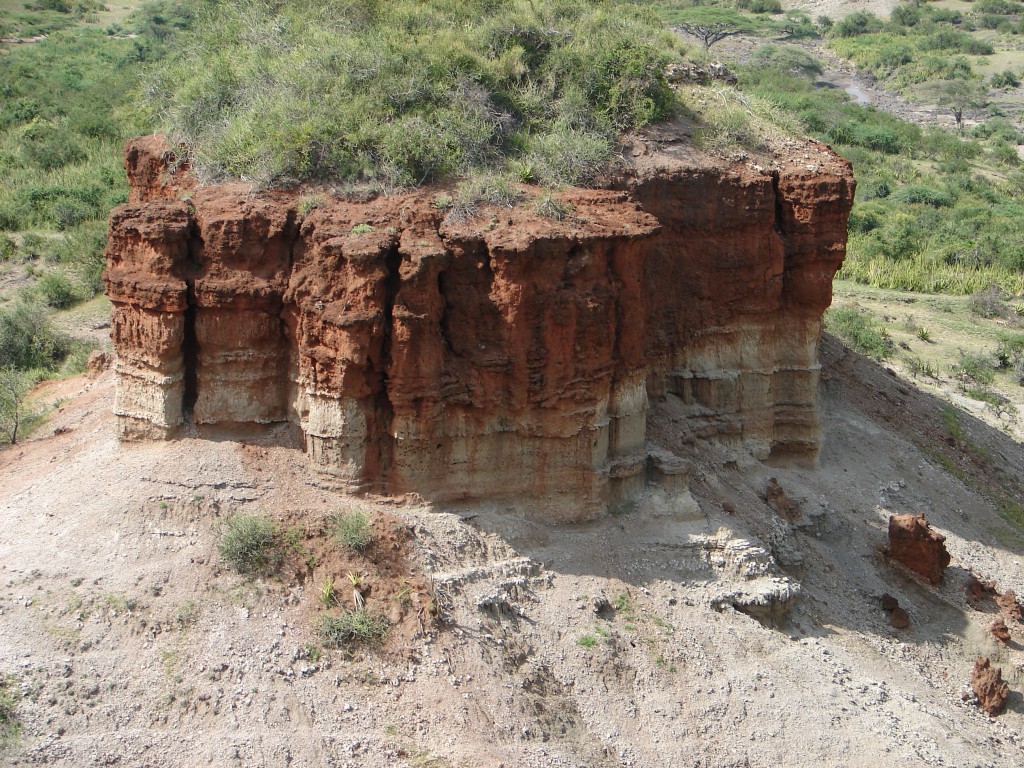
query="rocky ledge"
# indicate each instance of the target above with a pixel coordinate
(505, 356)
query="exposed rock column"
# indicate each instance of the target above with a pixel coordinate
(242, 261)
(145, 279)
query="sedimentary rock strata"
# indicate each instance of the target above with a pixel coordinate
(504, 355)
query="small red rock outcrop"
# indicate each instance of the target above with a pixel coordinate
(914, 545)
(989, 687)
(1009, 606)
(1000, 631)
(509, 356)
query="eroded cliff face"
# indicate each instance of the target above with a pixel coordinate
(508, 356)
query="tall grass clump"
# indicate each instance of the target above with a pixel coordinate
(404, 92)
(351, 627)
(352, 529)
(860, 331)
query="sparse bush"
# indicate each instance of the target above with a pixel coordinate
(352, 627)
(352, 529)
(923, 334)
(988, 302)
(973, 371)
(917, 367)
(14, 412)
(551, 207)
(251, 544)
(308, 203)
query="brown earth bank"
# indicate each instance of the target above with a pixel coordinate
(485, 354)
(657, 636)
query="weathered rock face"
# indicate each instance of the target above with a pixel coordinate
(510, 356)
(914, 545)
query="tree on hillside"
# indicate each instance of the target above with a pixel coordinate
(14, 387)
(711, 25)
(957, 96)
(708, 34)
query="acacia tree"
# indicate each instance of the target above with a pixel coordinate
(711, 25)
(708, 34)
(14, 387)
(957, 95)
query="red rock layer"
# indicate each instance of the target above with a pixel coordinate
(510, 356)
(914, 545)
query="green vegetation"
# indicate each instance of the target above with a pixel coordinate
(64, 116)
(919, 43)
(405, 92)
(352, 529)
(935, 212)
(352, 627)
(10, 726)
(860, 330)
(253, 545)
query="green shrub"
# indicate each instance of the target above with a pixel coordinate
(923, 194)
(250, 544)
(998, 7)
(28, 340)
(56, 289)
(857, 23)
(351, 627)
(762, 6)
(1005, 79)
(352, 529)
(956, 40)
(860, 331)
(974, 372)
(410, 91)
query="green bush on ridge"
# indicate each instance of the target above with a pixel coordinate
(405, 92)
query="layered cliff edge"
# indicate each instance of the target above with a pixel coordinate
(506, 356)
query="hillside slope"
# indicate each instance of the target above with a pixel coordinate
(132, 644)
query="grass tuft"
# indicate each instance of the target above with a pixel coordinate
(352, 627)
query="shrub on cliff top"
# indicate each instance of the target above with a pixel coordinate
(406, 91)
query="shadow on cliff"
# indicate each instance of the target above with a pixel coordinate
(887, 450)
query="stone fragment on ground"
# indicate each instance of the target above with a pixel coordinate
(1009, 606)
(989, 686)
(979, 592)
(899, 618)
(914, 545)
(1000, 631)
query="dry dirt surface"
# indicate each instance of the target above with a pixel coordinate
(657, 636)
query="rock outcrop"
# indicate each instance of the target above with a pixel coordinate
(988, 685)
(914, 545)
(506, 356)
